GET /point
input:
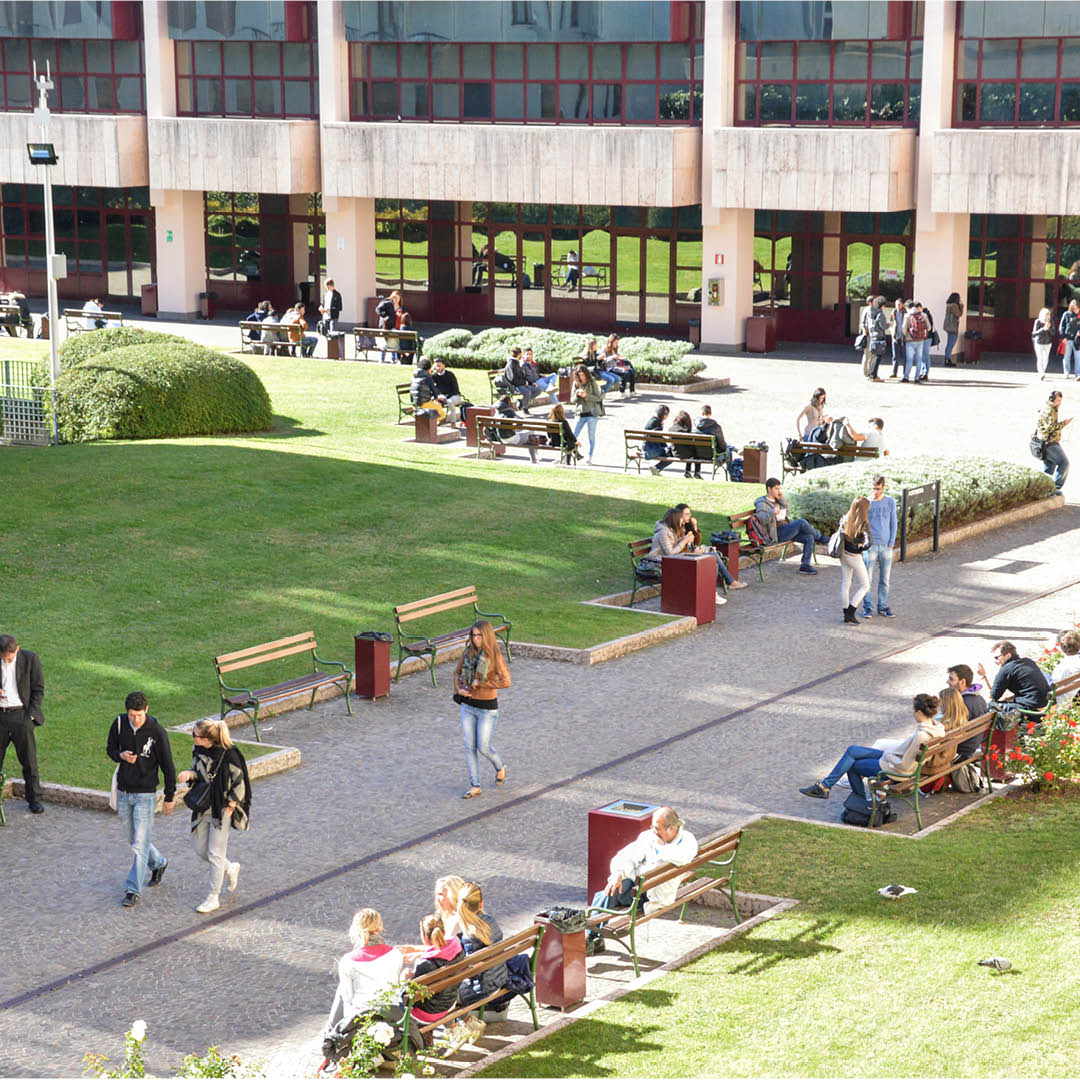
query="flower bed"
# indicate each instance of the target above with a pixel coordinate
(655, 360)
(971, 488)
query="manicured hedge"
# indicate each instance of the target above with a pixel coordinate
(655, 360)
(159, 390)
(82, 346)
(971, 488)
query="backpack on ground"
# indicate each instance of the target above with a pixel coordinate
(968, 778)
(857, 812)
(917, 327)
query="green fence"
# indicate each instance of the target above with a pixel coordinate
(25, 405)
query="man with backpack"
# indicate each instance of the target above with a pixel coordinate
(915, 330)
(771, 524)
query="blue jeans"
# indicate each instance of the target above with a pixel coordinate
(950, 342)
(912, 352)
(617, 901)
(897, 355)
(879, 555)
(924, 365)
(1070, 360)
(1056, 464)
(609, 379)
(547, 384)
(307, 345)
(799, 530)
(477, 727)
(857, 762)
(591, 421)
(135, 809)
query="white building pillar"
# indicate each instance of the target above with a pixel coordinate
(181, 252)
(350, 254)
(941, 240)
(727, 235)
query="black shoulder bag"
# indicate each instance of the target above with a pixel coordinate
(198, 796)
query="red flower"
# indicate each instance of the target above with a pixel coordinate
(1031, 726)
(1048, 776)
(1072, 723)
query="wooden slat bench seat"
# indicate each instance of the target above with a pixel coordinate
(717, 853)
(274, 339)
(73, 319)
(493, 431)
(405, 407)
(237, 699)
(699, 447)
(937, 759)
(795, 455)
(755, 551)
(370, 339)
(1071, 685)
(419, 645)
(470, 967)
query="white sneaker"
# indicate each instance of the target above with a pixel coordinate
(231, 874)
(211, 903)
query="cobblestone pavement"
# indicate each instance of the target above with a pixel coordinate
(724, 723)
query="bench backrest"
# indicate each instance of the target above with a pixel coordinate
(78, 313)
(516, 423)
(639, 549)
(403, 389)
(718, 849)
(403, 334)
(938, 754)
(1066, 686)
(483, 960)
(262, 654)
(431, 605)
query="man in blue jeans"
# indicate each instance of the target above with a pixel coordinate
(882, 516)
(772, 513)
(140, 747)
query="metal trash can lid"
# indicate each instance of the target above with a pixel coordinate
(373, 635)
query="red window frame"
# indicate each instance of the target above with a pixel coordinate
(362, 82)
(187, 80)
(11, 70)
(971, 87)
(910, 82)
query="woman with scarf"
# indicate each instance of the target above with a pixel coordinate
(219, 797)
(481, 673)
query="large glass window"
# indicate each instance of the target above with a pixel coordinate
(246, 78)
(89, 76)
(1017, 82)
(567, 83)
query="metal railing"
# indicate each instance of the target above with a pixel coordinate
(25, 404)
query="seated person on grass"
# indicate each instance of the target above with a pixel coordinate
(666, 841)
(866, 761)
(422, 392)
(1069, 664)
(771, 510)
(1019, 677)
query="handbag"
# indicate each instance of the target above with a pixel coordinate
(197, 797)
(1037, 447)
(836, 544)
(935, 338)
(1061, 347)
(860, 342)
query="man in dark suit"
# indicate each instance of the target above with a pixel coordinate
(21, 690)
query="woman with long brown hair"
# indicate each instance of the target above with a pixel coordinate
(854, 580)
(481, 673)
(587, 397)
(219, 798)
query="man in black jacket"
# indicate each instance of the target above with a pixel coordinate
(330, 309)
(140, 746)
(21, 690)
(1020, 677)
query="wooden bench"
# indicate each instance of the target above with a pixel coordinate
(1066, 686)
(405, 407)
(470, 967)
(237, 699)
(369, 339)
(703, 448)
(798, 451)
(273, 340)
(642, 578)
(497, 393)
(737, 522)
(410, 645)
(718, 853)
(937, 759)
(73, 319)
(493, 431)
(13, 320)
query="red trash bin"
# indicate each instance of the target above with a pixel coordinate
(611, 828)
(372, 665)
(560, 967)
(688, 586)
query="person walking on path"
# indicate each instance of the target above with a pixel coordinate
(22, 687)
(1042, 337)
(588, 399)
(140, 746)
(881, 517)
(481, 673)
(951, 325)
(1069, 332)
(220, 800)
(1049, 428)
(854, 581)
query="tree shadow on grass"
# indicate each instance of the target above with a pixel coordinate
(767, 953)
(287, 427)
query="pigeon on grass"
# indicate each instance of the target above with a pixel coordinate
(894, 892)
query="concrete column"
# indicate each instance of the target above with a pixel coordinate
(350, 253)
(941, 240)
(727, 235)
(181, 252)
(333, 64)
(464, 245)
(160, 59)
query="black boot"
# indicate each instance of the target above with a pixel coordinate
(849, 615)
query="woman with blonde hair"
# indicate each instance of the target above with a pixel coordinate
(854, 580)
(478, 930)
(952, 712)
(481, 673)
(1042, 337)
(219, 798)
(447, 891)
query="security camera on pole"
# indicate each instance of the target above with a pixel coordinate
(44, 154)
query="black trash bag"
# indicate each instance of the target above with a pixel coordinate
(566, 920)
(373, 635)
(728, 536)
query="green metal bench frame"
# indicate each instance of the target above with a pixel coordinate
(405, 407)
(639, 435)
(621, 925)
(420, 645)
(3, 781)
(252, 700)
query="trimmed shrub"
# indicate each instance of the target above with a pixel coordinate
(654, 359)
(971, 488)
(159, 391)
(81, 347)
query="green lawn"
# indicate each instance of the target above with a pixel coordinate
(851, 984)
(134, 564)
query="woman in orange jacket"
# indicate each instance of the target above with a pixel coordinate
(481, 673)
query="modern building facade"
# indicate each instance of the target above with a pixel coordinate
(653, 166)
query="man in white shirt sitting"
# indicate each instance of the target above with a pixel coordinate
(1068, 665)
(664, 842)
(90, 309)
(875, 437)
